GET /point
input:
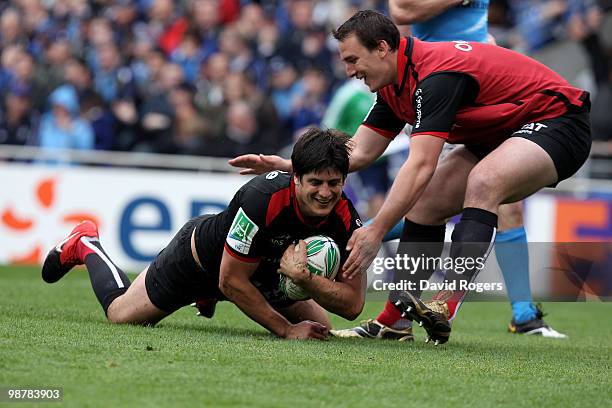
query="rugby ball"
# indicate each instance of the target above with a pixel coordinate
(323, 258)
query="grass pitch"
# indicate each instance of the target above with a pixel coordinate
(56, 336)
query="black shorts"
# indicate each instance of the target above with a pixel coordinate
(174, 279)
(566, 139)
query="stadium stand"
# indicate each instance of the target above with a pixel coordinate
(225, 77)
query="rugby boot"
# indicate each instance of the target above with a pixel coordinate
(432, 316)
(536, 326)
(206, 307)
(64, 256)
(373, 329)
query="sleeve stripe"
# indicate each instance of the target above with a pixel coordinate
(278, 202)
(441, 135)
(389, 134)
(342, 209)
(229, 250)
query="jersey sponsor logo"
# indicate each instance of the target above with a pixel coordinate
(529, 128)
(242, 232)
(358, 222)
(463, 46)
(418, 102)
(281, 241)
(271, 175)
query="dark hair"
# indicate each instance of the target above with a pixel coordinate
(370, 27)
(319, 150)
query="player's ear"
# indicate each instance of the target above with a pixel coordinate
(383, 47)
(296, 179)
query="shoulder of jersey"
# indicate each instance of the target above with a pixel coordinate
(271, 182)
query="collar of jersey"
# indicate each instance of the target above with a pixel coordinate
(404, 63)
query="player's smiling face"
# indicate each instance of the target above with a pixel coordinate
(318, 192)
(364, 64)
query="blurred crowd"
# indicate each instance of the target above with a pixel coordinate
(206, 77)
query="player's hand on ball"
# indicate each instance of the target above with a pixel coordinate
(307, 330)
(293, 264)
(363, 246)
(260, 163)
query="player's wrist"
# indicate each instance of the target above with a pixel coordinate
(378, 230)
(303, 276)
(285, 331)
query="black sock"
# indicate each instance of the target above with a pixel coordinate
(416, 241)
(473, 239)
(107, 280)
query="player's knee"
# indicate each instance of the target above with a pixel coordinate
(428, 212)
(352, 314)
(483, 189)
(117, 316)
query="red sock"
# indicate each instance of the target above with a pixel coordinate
(83, 250)
(389, 315)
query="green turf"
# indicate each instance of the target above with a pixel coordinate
(56, 336)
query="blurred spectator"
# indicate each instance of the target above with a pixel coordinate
(241, 57)
(19, 69)
(157, 113)
(242, 132)
(210, 83)
(315, 52)
(112, 79)
(540, 22)
(10, 55)
(584, 19)
(252, 19)
(190, 128)
(268, 38)
(61, 127)
(123, 14)
(147, 67)
(167, 25)
(205, 21)
(101, 119)
(11, 28)
(189, 55)
(17, 124)
(285, 87)
(309, 108)
(51, 71)
(300, 14)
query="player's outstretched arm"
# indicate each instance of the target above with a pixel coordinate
(366, 146)
(413, 177)
(344, 298)
(235, 284)
(260, 163)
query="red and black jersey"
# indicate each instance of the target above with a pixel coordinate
(470, 93)
(260, 222)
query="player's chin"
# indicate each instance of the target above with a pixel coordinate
(374, 87)
(320, 209)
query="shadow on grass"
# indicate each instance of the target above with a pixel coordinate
(214, 329)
